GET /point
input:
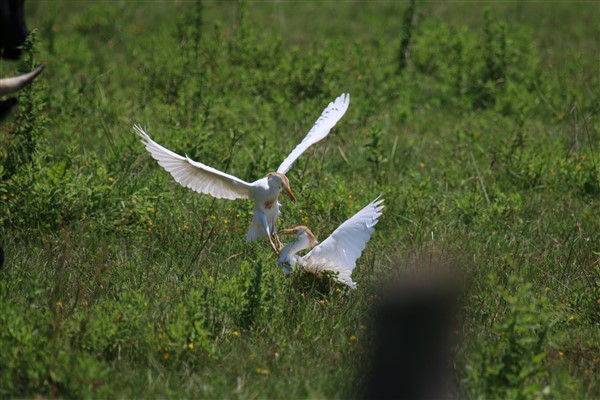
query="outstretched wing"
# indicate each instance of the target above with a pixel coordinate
(339, 252)
(330, 116)
(195, 175)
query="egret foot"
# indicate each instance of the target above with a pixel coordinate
(275, 248)
(278, 241)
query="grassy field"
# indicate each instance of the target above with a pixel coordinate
(478, 123)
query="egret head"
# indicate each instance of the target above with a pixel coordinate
(281, 182)
(302, 232)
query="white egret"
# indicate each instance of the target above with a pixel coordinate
(264, 192)
(339, 252)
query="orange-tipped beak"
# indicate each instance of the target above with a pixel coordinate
(288, 232)
(290, 193)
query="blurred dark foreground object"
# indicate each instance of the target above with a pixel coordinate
(413, 340)
(13, 33)
(13, 30)
(6, 107)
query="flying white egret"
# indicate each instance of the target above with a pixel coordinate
(264, 192)
(339, 252)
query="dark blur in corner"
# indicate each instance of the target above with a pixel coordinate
(413, 338)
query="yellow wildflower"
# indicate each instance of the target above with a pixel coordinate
(263, 371)
(58, 304)
(421, 165)
(353, 338)
(350, 197)
(166, 357)
(304, 219)
(111, 179)
(191, 346)
(571, 318)
(235, 334)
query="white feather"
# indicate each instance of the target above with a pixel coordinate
(329, 117)
(194, 175)
(339, 252)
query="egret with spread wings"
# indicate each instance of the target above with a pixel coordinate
(264, 192)
(339, 252)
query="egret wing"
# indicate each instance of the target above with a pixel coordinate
(330, 116)
(195, 175)
(339, 252)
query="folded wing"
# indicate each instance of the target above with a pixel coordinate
(195, 175)
(339, 252)
(330, 116)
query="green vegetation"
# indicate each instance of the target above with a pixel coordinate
(483, 136)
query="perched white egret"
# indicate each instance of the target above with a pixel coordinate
(339, 252)
(264, 192)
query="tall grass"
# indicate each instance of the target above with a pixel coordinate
(119, 281)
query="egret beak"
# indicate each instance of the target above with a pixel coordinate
(290, 193)
(288, 232)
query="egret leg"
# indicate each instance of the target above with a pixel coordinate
(275, 248)
(278, 241)
(263, 220)
(276, 236)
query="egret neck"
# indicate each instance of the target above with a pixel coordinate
(304, 240)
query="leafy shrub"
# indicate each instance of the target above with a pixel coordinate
(493, 70)
(510, 361)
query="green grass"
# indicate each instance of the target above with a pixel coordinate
(118, 281)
